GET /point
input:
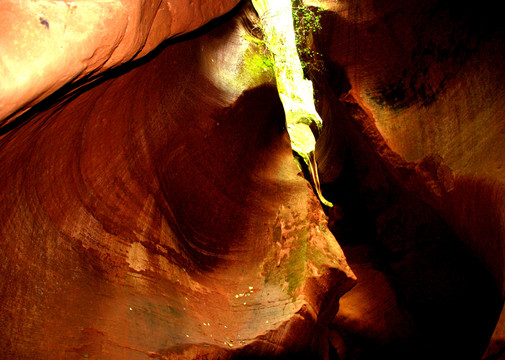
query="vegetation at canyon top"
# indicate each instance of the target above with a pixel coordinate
(307, 22)
(289, 42)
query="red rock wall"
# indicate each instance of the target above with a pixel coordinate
(47, 44)
(156, 213)
(429, 76)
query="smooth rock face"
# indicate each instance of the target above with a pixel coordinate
(48, 44)
(160, 214)
(430, 77)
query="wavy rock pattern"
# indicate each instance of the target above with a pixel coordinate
(424, 97)
(151, 207)
(160, 214)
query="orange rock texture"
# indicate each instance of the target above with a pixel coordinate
(151, 207)
(158, 214)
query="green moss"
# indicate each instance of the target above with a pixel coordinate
(255, 68)
(290, 274)
(255, 40)
(291, 269)
(307, 22)
(297, 261)
(257, 63)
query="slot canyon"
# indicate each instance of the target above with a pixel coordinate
(152, 206)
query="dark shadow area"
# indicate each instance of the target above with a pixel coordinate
(205, 174)
(406, 257)
(167, 175)
(439, 285)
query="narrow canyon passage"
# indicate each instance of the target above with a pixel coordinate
(420, 293)
(152, 208)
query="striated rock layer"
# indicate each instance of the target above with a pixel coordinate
(159, 214)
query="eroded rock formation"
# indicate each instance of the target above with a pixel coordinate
(48, 44)
(160, 213)
(153, 209)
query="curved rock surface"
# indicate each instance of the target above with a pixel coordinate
(157, 211)
(48, 44)
(160, 214)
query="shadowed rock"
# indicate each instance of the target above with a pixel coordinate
(423, 108)
(157, 211)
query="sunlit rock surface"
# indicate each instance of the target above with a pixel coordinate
(159, 213)
(46, 44)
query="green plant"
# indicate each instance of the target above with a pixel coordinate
(307, 22)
